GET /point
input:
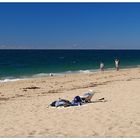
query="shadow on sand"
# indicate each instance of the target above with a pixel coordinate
(99, 100)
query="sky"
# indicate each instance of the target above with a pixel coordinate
(70, 25)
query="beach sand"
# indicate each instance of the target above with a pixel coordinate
(25, 110)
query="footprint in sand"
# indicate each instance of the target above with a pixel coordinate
(32, 133)
(110, 128)
(94, 133)
(44, 132)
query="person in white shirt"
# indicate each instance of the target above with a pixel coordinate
(102, 66)
(117, 64)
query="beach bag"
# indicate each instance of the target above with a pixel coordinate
(77, 101)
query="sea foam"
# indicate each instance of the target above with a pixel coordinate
(9, 80)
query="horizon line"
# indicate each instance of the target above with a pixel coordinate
(65, 49)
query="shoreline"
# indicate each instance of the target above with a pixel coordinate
(46, 75)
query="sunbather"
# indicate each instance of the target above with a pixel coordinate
(86, 98)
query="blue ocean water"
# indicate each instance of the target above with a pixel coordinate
(28, 63)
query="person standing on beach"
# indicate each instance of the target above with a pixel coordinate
(51, 74)
(102, 66)
(117, 64)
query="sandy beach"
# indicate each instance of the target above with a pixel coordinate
(25, 110)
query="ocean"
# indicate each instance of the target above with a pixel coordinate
(18, 64)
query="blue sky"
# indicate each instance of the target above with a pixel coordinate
(70, 25)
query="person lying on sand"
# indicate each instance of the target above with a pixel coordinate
(86, 98)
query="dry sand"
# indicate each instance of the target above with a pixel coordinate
(24, 110)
